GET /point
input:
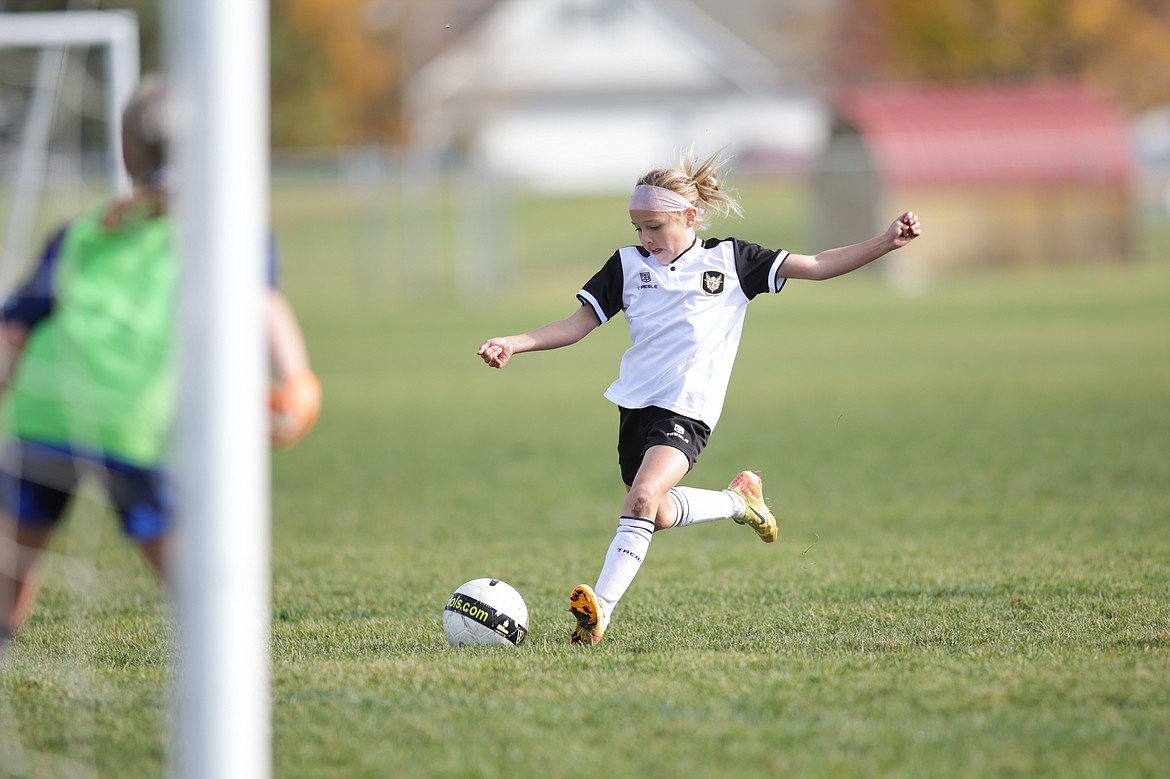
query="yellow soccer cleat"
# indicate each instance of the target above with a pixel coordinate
(750, 487)
(589, 611)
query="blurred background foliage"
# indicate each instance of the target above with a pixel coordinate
(1105, 42)
(340, 67)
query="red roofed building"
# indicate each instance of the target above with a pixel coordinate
(1027, 172)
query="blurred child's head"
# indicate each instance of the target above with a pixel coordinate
(145, 125)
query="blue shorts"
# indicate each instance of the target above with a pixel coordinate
(38, 481)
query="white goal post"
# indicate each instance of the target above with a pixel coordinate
(218, 58)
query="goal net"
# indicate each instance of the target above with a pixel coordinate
(63, 80)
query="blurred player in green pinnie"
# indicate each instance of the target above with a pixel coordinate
(91, 374)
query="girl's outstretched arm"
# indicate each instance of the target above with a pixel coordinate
(837, 262)
(497, 351)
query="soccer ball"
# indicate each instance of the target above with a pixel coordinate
(485, 612)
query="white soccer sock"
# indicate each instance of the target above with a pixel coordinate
(624, 558)
(694, 506)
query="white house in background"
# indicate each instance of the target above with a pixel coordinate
(587, 94)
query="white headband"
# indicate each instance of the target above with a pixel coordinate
(658, 199)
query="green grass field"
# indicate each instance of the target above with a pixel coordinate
(971, 580)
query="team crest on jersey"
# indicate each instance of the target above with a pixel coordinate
(644, 276)
(713, 282)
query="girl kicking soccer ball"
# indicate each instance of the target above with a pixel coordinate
(684, 299)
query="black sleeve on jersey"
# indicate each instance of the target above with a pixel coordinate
(606, 287)
(753, 264)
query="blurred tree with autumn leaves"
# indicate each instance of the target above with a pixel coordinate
(1120, 46)
(340, 68)
(337, 74)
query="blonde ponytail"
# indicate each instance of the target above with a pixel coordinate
(699, 183)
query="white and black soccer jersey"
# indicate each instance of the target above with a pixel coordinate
(685, 320)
